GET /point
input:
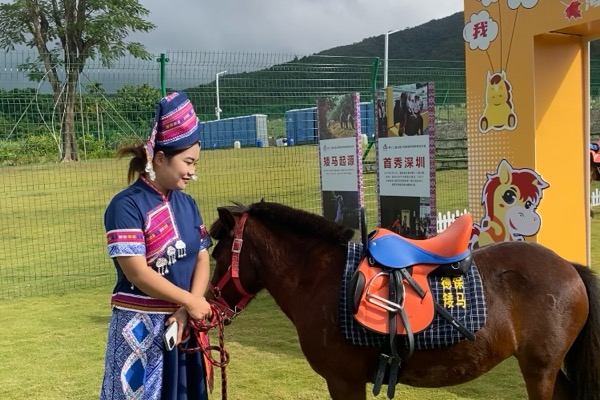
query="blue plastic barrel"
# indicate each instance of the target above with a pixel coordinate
(290, 141)
(259, 143)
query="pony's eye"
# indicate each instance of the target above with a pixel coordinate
(528, 204)
(509, 196)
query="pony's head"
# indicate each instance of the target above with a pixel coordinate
(261, 242)
(231, 287)
(498, 90)
(511, 197)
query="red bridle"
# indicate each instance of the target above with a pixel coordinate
(233, 273)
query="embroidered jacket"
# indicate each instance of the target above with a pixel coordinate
(168, 231)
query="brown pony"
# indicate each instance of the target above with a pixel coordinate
(542, 309)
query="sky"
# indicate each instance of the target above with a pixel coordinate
(281, 26)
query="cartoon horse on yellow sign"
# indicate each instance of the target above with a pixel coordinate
(510, 197)
(499, 110)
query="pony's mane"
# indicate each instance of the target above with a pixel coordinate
(298, 221)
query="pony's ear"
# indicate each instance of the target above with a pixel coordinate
(540, 183)
(505, 172)
(226, 217)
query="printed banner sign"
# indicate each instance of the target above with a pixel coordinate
(340, 153)
(406, 159)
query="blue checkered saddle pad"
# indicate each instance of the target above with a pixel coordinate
(462, 297)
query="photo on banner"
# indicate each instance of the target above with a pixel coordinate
(340, 153)
(405, 120)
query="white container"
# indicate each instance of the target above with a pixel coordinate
(281, 142)
(365, 139)
(261, 129)
(237, 144)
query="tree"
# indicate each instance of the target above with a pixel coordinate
(66, 33)
(137, 103)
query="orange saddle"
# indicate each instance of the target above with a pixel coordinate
(410, 262)
(595, 152)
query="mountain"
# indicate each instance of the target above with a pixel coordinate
(438, 39)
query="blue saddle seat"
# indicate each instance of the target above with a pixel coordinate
(396, 252)
(450, 246)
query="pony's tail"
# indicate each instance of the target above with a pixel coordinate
(582, 364)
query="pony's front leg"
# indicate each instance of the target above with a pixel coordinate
(344, 390)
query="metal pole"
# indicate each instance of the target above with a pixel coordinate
(218, 108)
(385, 63)
(163, 80)
(375, 72)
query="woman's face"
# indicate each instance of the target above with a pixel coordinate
(175, 173)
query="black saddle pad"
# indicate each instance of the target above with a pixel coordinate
(462, 298)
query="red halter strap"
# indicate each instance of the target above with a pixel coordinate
(233, 273)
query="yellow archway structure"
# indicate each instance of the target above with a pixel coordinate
(527, 69)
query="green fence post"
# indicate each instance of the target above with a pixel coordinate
(373, 91)
(163, 60)
(376, 62)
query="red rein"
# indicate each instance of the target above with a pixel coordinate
(200, 328)
(222, 313)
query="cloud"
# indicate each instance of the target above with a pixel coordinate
(514, 4)
(486, 3)
(297, 27)
(480, 31)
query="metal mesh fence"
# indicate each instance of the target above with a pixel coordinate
(52, 212)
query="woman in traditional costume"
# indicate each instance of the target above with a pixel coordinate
(158, 244)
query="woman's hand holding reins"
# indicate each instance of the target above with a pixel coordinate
(197, 307)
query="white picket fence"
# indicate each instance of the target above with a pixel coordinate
(444, 220)
(596, 197)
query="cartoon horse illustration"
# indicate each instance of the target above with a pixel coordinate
(510, 197)
(499, 110)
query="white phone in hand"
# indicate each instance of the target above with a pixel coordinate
(170, 336)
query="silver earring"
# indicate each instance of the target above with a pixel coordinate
(150, 171)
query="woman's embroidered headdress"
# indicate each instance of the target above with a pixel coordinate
(175, 127)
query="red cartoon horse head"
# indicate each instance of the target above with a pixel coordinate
(510, 198)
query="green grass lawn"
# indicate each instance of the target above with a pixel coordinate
(52, 345)
(52, 348)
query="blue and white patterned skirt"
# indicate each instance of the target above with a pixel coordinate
(137, 366)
